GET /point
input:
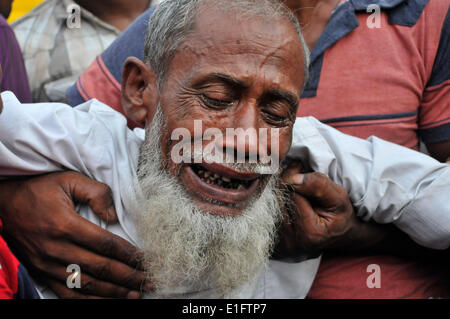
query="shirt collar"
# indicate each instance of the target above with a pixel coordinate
(343, 21)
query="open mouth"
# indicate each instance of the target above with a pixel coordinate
(220, 185)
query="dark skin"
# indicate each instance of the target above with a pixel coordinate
(313, 16)
(118, 13)
(59, 237)
(112, 264)
(440, 151)
(225, 84)
(140, 98)
(248, 63)
(51, 205)
(327, 222)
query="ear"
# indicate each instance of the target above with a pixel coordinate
(140, 94)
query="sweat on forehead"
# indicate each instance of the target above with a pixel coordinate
(173, 20)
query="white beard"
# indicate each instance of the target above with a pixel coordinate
(186, 247)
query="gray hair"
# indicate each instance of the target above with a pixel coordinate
(173, 20)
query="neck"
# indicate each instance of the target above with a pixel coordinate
(313, 16)
(118, 13)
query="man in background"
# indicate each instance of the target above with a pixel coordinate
(14, 279)
(60, 39)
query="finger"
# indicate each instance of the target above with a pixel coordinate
(63, 292)
(312, 225)
(88, 285)
(105, 243)
(318, 187)
(111, 270)
(101, 267)
(97, 195)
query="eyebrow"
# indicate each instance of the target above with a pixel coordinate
(279, 94)
(229, 80)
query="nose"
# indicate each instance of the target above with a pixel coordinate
(241, 140)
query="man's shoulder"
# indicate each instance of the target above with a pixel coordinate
(113, 120)
(95, 107)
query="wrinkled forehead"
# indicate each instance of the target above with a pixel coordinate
(244, 45)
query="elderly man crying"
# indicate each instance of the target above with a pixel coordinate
(230, 64)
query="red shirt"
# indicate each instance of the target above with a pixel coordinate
(14, 279)
(391, 82)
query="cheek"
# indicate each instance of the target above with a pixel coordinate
(285, 142)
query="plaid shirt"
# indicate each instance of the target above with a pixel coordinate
(54, 54)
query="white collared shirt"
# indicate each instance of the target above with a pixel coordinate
(387, 182)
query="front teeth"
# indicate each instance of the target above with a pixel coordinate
(221, 181)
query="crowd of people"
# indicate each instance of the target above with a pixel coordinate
(90, 181)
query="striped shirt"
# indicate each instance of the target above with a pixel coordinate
(14, 75)
(390, 81)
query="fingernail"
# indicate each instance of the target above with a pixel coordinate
(134, 295)
(298, 179)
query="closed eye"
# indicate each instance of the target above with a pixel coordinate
(215, 103)
(274, 119)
